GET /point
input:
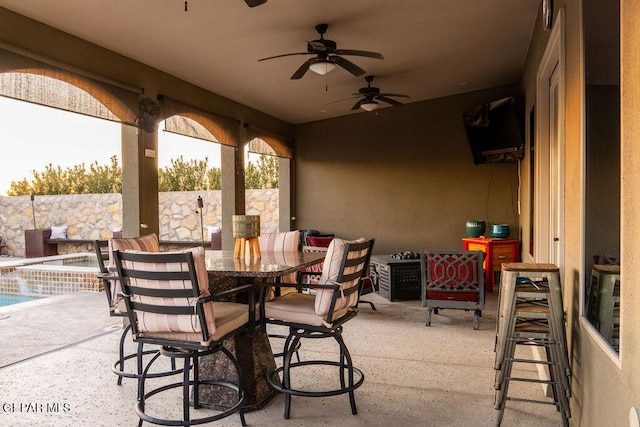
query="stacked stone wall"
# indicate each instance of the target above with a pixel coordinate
(97, 216)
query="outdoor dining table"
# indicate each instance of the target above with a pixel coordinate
(253, 353)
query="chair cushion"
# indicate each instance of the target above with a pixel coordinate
(330, 271)
(453, 296)
(148, 243)
(319, 241)
(158, 322)
(229, 317)
(288, 241)
(298, 308)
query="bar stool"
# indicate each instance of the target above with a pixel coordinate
(117, 307)
(531, 314)
(603, 301)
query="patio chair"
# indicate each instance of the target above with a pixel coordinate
(169, 304)
(312, 274)
(321, 316)
(115, 301)
(452, 279)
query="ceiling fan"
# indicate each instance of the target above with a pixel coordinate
(250, 3)
(371, 95)
(327, 56)
(254, 3)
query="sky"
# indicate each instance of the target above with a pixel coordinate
(32, 136)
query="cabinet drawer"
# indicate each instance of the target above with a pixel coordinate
(502, 254)
(477, 247)
(502, 250)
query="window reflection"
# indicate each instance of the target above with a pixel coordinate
(602, 166)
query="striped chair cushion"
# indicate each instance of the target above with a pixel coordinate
(288, 241)
(149, 323)
(331, 270)
(148, 243)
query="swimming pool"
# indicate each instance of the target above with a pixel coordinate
(14, 299)
(41, 277)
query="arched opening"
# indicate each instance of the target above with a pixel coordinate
(189, 181)
(261, 181)
(61, 134)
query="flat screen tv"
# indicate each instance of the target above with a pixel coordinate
(495, 132)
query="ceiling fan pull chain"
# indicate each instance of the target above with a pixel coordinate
(186, 5)
(326, 83)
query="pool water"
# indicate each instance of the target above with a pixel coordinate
(92, 263)
(14, 299)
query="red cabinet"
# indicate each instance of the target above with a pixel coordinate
(497, 252)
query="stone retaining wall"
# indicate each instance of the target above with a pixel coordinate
(96, 216)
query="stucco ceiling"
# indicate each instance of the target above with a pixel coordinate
(432, 48)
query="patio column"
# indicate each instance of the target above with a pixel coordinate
(140, 173)
(285, 193)
(231, 187)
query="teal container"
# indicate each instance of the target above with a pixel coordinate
(500, 230)
(476, 228)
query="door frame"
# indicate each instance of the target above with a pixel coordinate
(553, 57)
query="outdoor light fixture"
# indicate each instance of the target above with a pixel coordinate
(322, 67)
(369, 105)
(199, 210)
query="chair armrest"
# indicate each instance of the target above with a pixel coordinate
(240, 289)
(108, 276)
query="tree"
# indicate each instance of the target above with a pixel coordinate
(263, 175)
(181, 175)
(193, 175)
(73, 180)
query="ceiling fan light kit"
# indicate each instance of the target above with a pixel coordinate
(369, 106)
(322, 67)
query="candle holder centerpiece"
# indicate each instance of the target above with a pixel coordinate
(246, 229)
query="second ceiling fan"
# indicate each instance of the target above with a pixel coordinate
(369, 97)
(327, 56)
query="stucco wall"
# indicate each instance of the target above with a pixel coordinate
(402, 175)
(605, 386)
(96, 216)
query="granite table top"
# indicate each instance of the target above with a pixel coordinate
(270, 264)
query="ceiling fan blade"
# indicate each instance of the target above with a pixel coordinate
(302, 70)
(394, 94)
(358, 104)
(347, 65)
(358, 53)
(286, 54)
(389, 101)
(343, 99)
(254, 3)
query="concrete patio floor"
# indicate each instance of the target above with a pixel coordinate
(58, 352)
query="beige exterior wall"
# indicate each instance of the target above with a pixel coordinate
(402, 175)
(605, 386)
